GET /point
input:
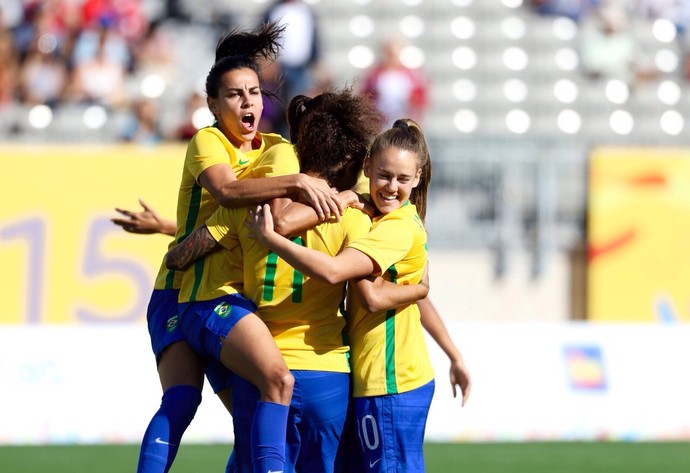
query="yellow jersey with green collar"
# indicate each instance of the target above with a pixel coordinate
(388, 351)
(303, 314)
(208, 147)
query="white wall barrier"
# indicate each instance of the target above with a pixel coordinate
(532, 381)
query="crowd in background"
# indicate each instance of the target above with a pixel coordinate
(57, 52)
(608, 45)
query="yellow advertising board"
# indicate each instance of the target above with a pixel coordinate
(639, 235)
(63, 260)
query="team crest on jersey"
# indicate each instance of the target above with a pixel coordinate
(171, 324)
(222, 310)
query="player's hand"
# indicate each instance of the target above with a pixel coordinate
(318, 194)
(145, 222)
(260, 223)
(350, 198)
(460, 376)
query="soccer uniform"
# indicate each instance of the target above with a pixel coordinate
(210, 303)
(392, 374)
(304, 316)
(195, 204)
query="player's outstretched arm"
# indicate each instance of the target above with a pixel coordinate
(459, 375)
(144, 222)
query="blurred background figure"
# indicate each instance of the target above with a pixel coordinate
(399, 91)
(43, 78)
(100, 77)
(576, 10)
(609, 49)
(143, 125)
(9, 64)
(300, 53)
(196, 115)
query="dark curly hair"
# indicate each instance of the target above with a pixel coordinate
(241, 49)
(332, 133)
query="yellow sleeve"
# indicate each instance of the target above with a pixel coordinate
(388, 242)
(207, 148)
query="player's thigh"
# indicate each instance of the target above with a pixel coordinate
(180, 364)
(250, 351)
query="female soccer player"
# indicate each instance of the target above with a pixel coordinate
(217, 161)
(393, 381)
(331, 133)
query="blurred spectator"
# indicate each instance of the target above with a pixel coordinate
(102, 39)
(609, 49)
(126, 16)
(273, 115)
(300, 51)
(153, 52)
(576, 10)
(42, 79)
(399, 91)
(101, 78)
(11, 13)
(9, 66)
(47, 26)
(143, 125)
(195, 109)
(678, 13)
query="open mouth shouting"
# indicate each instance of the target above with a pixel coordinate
(248, 121)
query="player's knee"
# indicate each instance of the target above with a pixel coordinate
(279, 387)
(183, 400)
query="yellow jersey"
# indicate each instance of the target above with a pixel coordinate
(303, 314)
(388, 352)
(220, 272)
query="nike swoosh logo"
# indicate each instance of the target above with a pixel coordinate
(274, 471)
(372, 464)
(242, 163)
(161, 441)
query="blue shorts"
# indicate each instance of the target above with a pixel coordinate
(391, 430)
(207, 323)
(316, 420)
(165, 329)
(163, 321)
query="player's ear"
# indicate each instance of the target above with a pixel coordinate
(211, 102)
(366, 166)
(417, 176)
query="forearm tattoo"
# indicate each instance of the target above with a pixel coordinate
(196, 246)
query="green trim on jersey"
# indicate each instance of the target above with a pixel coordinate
(391, 384)
(270, 277)
(190, 224)
(297, 278)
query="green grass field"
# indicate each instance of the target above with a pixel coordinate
(604, 457)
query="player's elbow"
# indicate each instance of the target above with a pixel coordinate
(281, 226)
(229, 199)
(372, 302)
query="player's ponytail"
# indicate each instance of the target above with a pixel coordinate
(244, 49)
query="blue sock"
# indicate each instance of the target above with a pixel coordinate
(268, 437)
(164, 433)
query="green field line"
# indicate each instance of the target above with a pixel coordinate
(556, 457)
